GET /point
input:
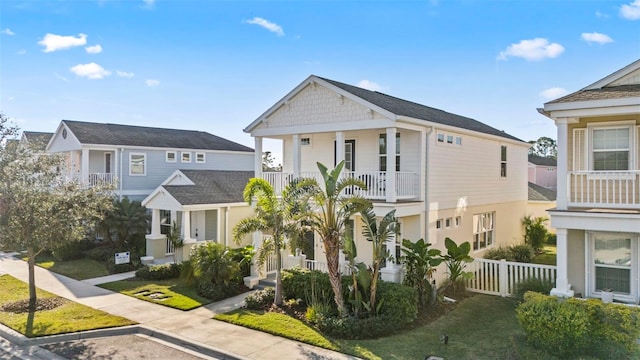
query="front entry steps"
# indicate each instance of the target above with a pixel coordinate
(269, 281)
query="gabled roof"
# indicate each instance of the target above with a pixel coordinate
(606, 88)
(211, 187)
(395, 106)
(41, 139)
(543, 161)
(129, 135)
(539, 193)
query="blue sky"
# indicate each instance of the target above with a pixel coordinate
(217, 65)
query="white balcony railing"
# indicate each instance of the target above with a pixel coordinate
(101, 179)
(604, 189)
(406, 183)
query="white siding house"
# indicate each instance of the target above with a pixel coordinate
(445, 175)
(597, 218)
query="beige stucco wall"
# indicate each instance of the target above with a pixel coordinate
(576, 257)
(237, 213)
(539, 209)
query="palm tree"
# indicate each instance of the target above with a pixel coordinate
(378, 234)
(274, 215)
(333, 207)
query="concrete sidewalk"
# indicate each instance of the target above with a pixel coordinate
(196, 325)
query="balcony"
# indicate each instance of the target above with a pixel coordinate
(101, 179)
(406, 183)
(604, 189)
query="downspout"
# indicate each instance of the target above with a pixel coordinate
(121, 176)
(426, 185)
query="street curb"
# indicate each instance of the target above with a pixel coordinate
(179, 342)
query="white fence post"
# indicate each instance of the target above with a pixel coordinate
(504, 277)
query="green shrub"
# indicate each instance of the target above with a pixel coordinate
(522, 253)
(260, 299)
(298, 283)
(573, 327)
(159, 272)
(533, 284)
(498, 253)
(551, 239)
(119, 268)
(101, 253)
(212, 263)
(217, 292)
(71, 250)
(535, 233)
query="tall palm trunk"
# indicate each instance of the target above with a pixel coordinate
(374, 287)
(278, 296)
(31, 253)
(333, 267)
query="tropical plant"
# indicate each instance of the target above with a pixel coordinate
(274, 215)
(360, 277)
(535, 233)
(420, 263)
(333, 208)
(177, 241)
(455, 260)
(212, 263)
(125, 224)
(378, 234)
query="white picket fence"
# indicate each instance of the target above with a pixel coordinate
(500, 277)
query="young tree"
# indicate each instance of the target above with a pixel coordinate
(274, 215)
(420, 263)
(333, 207)
(378, 234)
(41, 209)
(544, 147)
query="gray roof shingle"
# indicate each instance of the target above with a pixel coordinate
(129, 135)
(543, 161)
(604, 93)
(411, 109)
(211, 187)
(37, 138)
(539, 193)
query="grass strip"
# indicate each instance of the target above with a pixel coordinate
(172, 293)
(80, 269)
(68, 318)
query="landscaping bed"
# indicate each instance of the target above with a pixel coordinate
(171, 292)
(54, 315)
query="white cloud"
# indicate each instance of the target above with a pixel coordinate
(125, 74)
(596, 37)
(601, 15)
(22, 52)
(273, 27)
(95, 49)
(7, 31)
(60, 77)
(11, 98)
(152, 82)
(53, 42)
(369, 85)
(149, 3)
(534, 49)
(91, 71)
(631, 11)
(553, 93)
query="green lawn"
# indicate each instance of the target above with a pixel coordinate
(548, 256)
(481, 327)
(79, 269)
(173, 293)
(67, 318)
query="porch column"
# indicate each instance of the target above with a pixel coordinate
(390, 180)
(155, 222)
(186, 226)
(219, 228)
(156, 242)
(258, 156)
(563, 288)
(115, 172)
(256, 273)
(296, 155)
(563, 137)
(84, 167)
(339, 147)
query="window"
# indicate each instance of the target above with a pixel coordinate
(186, 157)
(503, 161)
(458, 140)
(440, 137)
(611, 149)
(439, 224)
(449, 139)
(458, 220)
(170, 156)
(447, 222)
(305, 141)
(200, 157)
(612, 262)
(382, 151)
(137, 164)
(483, 230)
(165, 221)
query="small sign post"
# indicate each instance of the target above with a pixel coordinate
(123, 258)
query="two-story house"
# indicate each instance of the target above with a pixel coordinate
(597, 218)
(445, 175)
(137, 159)
(543, 171)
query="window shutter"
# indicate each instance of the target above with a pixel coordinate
(579, 150)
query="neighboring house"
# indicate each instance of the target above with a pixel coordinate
(205, 204)
(137, 159)
(445, 175)
(543, 171)
(37, 140)
(541, 199)
(597, 218)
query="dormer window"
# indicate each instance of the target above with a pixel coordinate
(611, 149)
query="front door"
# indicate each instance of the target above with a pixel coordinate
(107, 163)
(349, 155)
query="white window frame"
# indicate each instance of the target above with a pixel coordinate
(630, 125)
(479, 229)
(182, 154)
(448, 222)
(458, 221)
(200, 155)
(305, 141)
(590, 267)
(439, 224)
(503, 163)
(382, 157)
(175, 156)
(144, 163)
(440, 137)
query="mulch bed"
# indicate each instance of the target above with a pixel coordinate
(22, 306)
